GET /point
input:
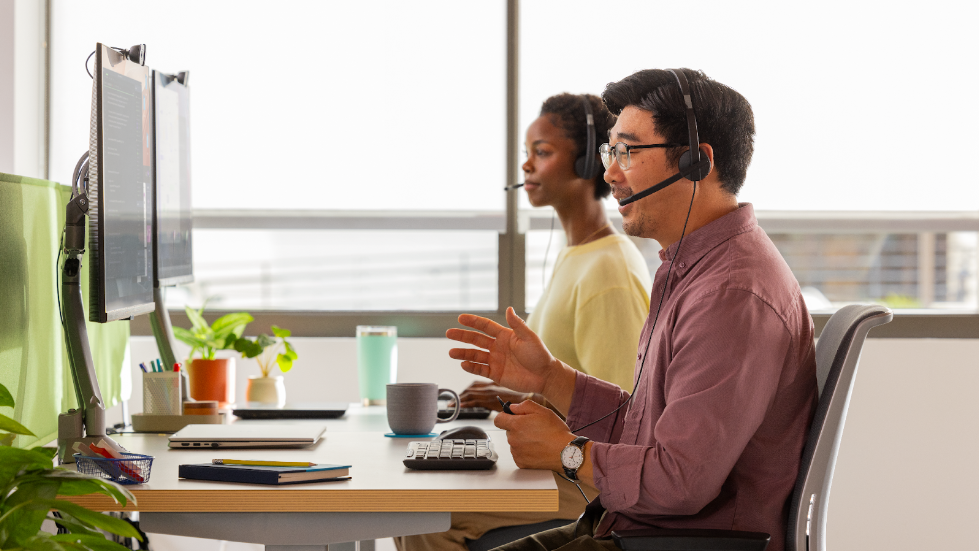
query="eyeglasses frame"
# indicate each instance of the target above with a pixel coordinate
(628, 151)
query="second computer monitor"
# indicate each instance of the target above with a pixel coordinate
(172, 216)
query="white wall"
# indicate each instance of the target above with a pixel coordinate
(906, 478)
(6, 85)
(22, 87)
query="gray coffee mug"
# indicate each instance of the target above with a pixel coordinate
(413, 407)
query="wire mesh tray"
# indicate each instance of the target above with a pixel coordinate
(132, 469)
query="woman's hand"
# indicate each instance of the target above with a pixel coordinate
(483, 395)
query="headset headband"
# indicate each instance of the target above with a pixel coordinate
(691, 120)
(585, 165)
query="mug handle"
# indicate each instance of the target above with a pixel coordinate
(458, 403)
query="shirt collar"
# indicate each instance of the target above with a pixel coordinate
(702, 240)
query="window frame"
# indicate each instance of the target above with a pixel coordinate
(512, 226)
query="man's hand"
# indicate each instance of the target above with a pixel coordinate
(484, 395)
(537, 436)
(512, 357)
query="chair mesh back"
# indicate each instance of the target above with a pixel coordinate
(837, 352)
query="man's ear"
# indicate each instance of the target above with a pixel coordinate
(706, 149)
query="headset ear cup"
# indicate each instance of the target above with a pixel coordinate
(697, 175)
(581, 168)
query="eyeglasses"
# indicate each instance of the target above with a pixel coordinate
(622, 152)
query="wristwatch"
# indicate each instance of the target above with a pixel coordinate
(573, 456)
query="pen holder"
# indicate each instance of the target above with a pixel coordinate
(132, 469)
(161, 393)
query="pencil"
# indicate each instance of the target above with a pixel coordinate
(262, 463)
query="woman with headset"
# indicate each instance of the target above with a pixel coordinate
(592, 311)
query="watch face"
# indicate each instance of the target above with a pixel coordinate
(571, 457)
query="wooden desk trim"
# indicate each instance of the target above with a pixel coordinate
(260, 501)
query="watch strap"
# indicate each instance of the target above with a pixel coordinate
(578, 442)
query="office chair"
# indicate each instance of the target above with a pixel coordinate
(837, 356)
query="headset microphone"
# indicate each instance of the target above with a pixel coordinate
(704, 164)
(514, 186)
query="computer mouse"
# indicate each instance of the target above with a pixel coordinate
(463, 433)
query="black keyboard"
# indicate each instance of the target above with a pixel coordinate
(465, 413)
(451, 455)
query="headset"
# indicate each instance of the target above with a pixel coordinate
(693, 168)
(585, 166)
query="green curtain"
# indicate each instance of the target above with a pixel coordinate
(33, 360)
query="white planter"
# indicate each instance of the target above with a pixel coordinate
(266, 390)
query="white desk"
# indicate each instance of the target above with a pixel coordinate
(383, 498)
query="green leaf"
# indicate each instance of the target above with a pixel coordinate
(98, 520)
(76, 484)
(96, 543)
(197, 320)
(265, 341)
(290, 351)
(285, 363)
(247, 348)
(6, 399)
(7, 439)
(74, 526)
(188, 337)
(25, 508)
(280, 332)
(230, 321)
(16, 460)
(43, 542)
(9, 425)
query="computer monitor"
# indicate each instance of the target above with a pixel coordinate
(117, 197)
(172, 222)
(120, 186)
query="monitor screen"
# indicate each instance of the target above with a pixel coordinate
(172, 216)
(120, 178)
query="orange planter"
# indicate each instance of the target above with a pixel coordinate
(213, 380)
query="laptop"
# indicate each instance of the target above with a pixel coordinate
(246, 436)
(301, 410)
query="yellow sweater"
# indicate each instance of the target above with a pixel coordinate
(593, 310)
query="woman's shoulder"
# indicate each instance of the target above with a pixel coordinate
(612, 260)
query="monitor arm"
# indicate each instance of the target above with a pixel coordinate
(91, 408)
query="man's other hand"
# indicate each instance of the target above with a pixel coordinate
(536, 436)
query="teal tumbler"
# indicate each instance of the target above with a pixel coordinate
(377, 362)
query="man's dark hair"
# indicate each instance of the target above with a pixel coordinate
(569, 115)
(724, 117)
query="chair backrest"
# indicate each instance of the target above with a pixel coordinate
(837, 355)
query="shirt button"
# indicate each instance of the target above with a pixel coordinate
(683, 265)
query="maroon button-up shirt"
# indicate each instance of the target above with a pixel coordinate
(714, 435)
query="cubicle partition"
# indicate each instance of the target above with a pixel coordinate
(33, 360)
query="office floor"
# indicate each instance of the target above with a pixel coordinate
(161, 542)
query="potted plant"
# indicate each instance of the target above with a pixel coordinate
(212, 378)
(29, 486)
(268, 351)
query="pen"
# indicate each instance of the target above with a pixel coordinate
(262, 463)
(143, 367)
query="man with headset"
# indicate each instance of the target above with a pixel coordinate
(712, 434)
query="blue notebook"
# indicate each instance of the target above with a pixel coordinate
(260, 474)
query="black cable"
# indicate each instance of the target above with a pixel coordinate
(547, 250)
(662, 296)
(86, 65)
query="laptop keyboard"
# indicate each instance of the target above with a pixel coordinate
(443, 455)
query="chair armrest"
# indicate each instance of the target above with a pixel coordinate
(662, 539)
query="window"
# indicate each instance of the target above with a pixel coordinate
(857, 108)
